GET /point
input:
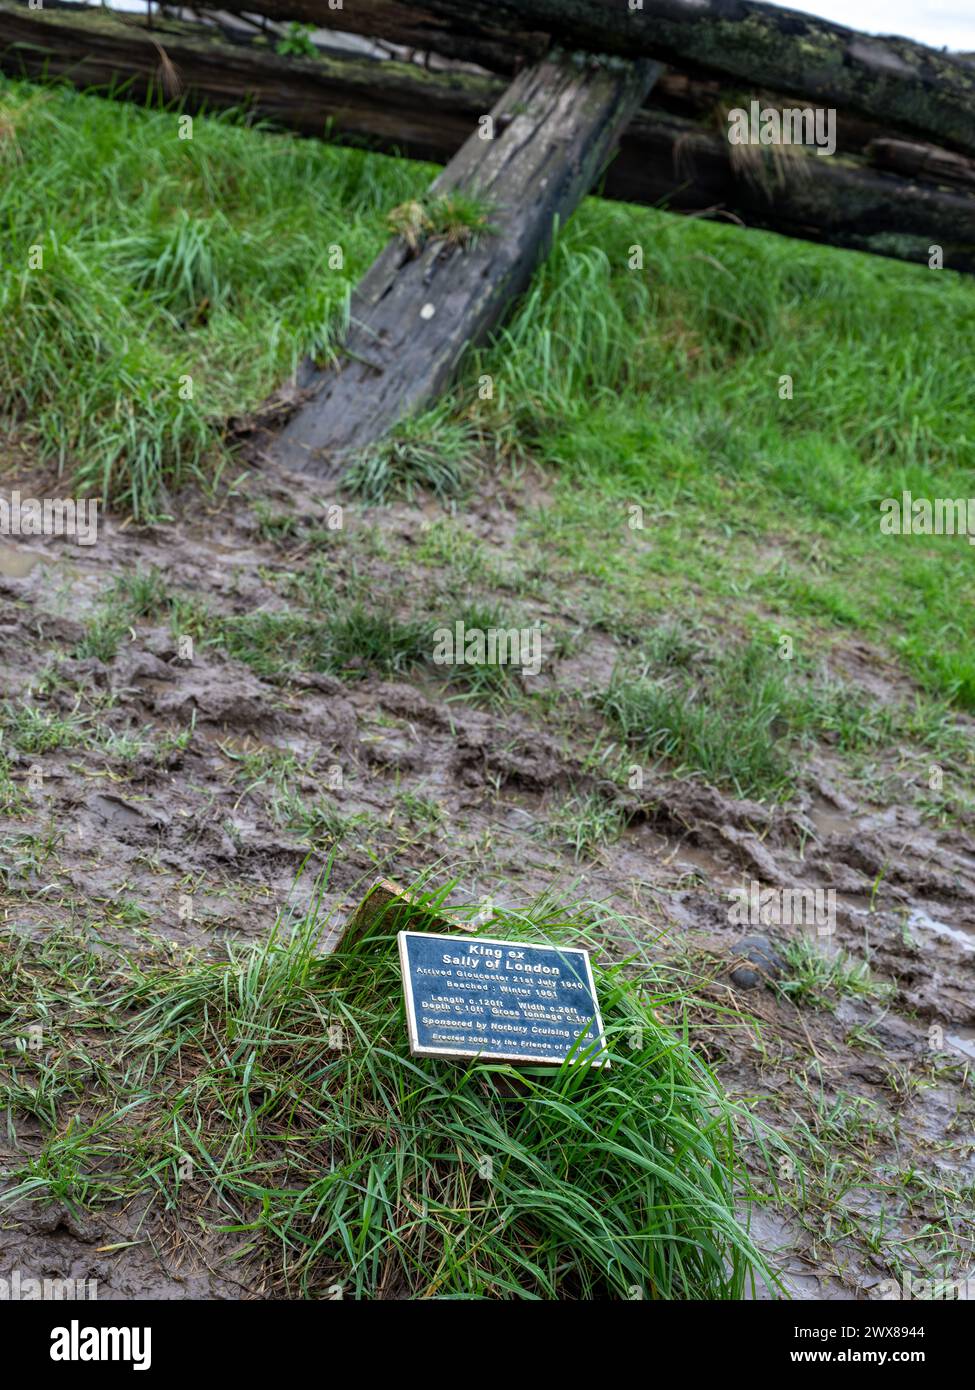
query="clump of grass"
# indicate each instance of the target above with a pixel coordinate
(177, 265)
(455, 218)
(124, 744)
(258, 766)
(287, 1078)
(32, 729)
(585, 824)
(144, 593)
(674, 644)
(426, 453)
(185, 280)
(822, 980)
(421, 812)
(313, 585)
(104, 631)
(11, 800)
(727, 725)
(276, 526)
(467, 560)
(359, 638)
(355, 640)
(492, 683)
(316, 822)
(274, 645)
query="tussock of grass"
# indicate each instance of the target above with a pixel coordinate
(456, 219)
(821, 978)
(355, 640)
(427, 452)
(481, 681)
(727, 726)
(360, 1165)
(166, 259)
(584, 824)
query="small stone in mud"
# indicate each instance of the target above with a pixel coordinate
(762, 955)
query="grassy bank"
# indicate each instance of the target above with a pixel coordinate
(207, 261)
(274, 1093)
(181, 279)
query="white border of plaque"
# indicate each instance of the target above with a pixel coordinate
(455, 940)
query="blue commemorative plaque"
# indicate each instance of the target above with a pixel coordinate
(473, 996)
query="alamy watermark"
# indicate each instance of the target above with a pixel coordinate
(24, 1288)
(792, 125)
(77, 1343)
(50, 516)
(756, 906)
(948, 1290)
(924, 516)
(459, 645)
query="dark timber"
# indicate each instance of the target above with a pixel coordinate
(390, 105)
(899, 83)
(903, 199)
(413, 315)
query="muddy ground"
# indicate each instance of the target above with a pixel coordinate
(156, 803)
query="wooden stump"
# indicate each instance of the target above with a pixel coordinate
(415, 312)
(387, 909)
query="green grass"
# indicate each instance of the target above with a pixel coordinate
(339, 1159)
(315, 821)
(432, 454)
(141, 593)
(11, 800)
(334, 630)
(584, 823)
(491, 683)
(667, 399)
(466, 560)
(456, 218)
(728, 725)
(167, 259)
(33, 729)
(821, 978)
(351, 639)
(355, 640)
(656, 388)
(736, 714)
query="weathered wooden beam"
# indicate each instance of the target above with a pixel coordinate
(417, 309)
(898, 82)
(664, 159)
(922, 162)
(392, 106)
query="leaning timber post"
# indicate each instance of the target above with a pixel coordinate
(528, 163)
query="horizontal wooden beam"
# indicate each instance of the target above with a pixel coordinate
(664, 159)
(902, 84)
(392, 106)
